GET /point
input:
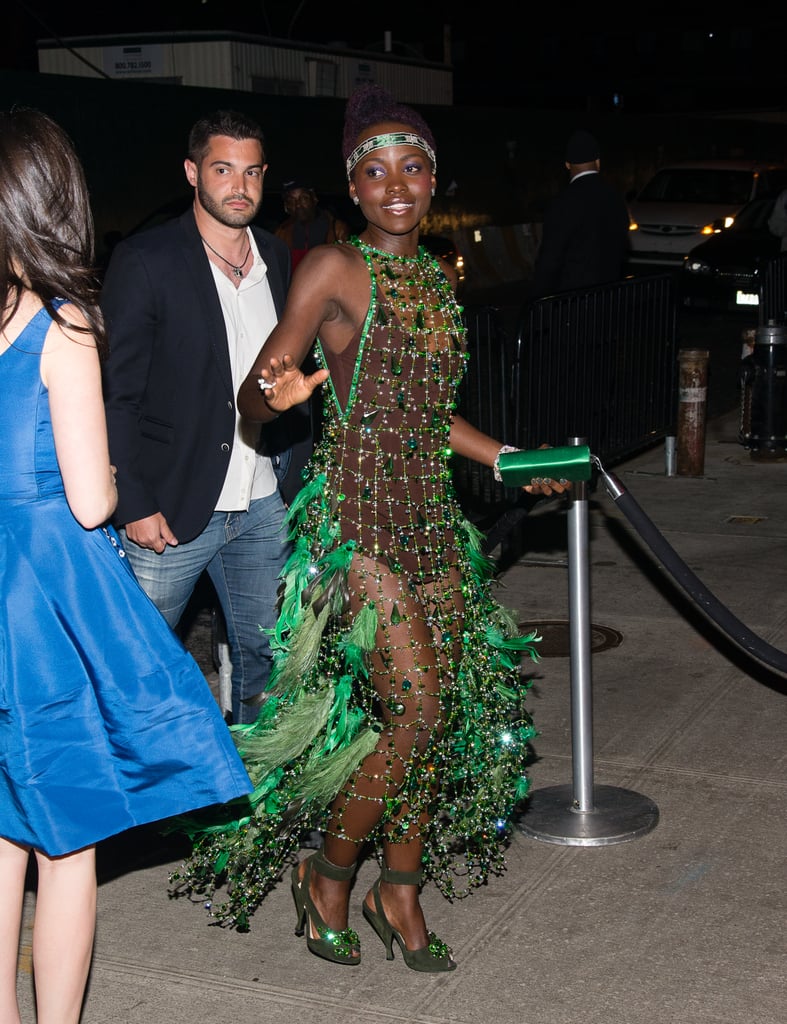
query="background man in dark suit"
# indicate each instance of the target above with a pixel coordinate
(188, 305)
(586, 227)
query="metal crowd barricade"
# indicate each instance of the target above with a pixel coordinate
(485, 401)
(600, 363)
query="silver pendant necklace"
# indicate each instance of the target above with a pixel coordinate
(237, 271)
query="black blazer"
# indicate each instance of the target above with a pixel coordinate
(168, 391)
(585, 238)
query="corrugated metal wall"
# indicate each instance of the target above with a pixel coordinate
(247, 66)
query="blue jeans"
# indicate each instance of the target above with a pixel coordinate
(243, 553)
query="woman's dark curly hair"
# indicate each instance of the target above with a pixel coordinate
(370, 104)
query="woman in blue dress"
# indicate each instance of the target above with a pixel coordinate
(106, 722)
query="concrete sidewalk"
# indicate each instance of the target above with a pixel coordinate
(684, 923)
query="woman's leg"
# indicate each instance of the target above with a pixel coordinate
(408, 673)
(63, 932)
(13, 869)
(438, 630)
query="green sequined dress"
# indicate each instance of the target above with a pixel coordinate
(396, 672)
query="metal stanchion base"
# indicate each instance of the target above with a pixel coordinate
(617, 816)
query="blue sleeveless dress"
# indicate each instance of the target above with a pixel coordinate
(106, 721)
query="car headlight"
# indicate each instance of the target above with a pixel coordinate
(695, 266)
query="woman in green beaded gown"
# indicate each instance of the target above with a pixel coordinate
(395, 718)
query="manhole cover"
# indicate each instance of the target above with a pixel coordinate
(556, 637)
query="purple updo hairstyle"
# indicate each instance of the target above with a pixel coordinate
(370, 104)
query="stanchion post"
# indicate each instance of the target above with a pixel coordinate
(692, 410)
(670, 455)
(580, 633)
(584, 814)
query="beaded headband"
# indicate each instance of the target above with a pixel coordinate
(390, 139)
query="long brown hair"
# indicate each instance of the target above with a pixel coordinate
(46, 224)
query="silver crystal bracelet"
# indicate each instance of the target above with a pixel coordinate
(496, 465)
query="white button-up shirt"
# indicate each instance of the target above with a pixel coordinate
(249, 316)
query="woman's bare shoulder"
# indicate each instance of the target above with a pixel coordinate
(329, 270)
(331, 255)
(73, 327)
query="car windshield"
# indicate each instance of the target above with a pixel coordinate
(698, 185)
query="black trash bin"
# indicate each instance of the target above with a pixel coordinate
(763, 383)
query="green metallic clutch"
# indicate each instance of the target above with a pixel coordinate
(570, 463)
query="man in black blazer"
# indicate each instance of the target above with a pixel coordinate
(585, 234)
(188, 305)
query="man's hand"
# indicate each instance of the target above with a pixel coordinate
(152, 532)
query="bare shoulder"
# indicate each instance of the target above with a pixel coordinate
(339, 255)
(329, 267)
(329, 294)
(74, 328)
(76, 325)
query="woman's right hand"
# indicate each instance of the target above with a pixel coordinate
(283, 384)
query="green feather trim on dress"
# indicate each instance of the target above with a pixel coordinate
(285, 737)
(308, 739)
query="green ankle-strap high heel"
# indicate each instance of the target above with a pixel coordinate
(342, 947)
(434, 957)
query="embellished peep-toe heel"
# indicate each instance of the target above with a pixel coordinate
(434, 957)
(342, 947)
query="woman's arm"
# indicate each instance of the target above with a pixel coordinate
(316, 298)
(71, 371)
(471, 443)
(466, 440)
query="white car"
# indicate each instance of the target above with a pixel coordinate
(685, 203)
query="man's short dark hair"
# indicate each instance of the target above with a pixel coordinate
(231, 123)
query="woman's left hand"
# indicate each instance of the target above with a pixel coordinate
(546, 485)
